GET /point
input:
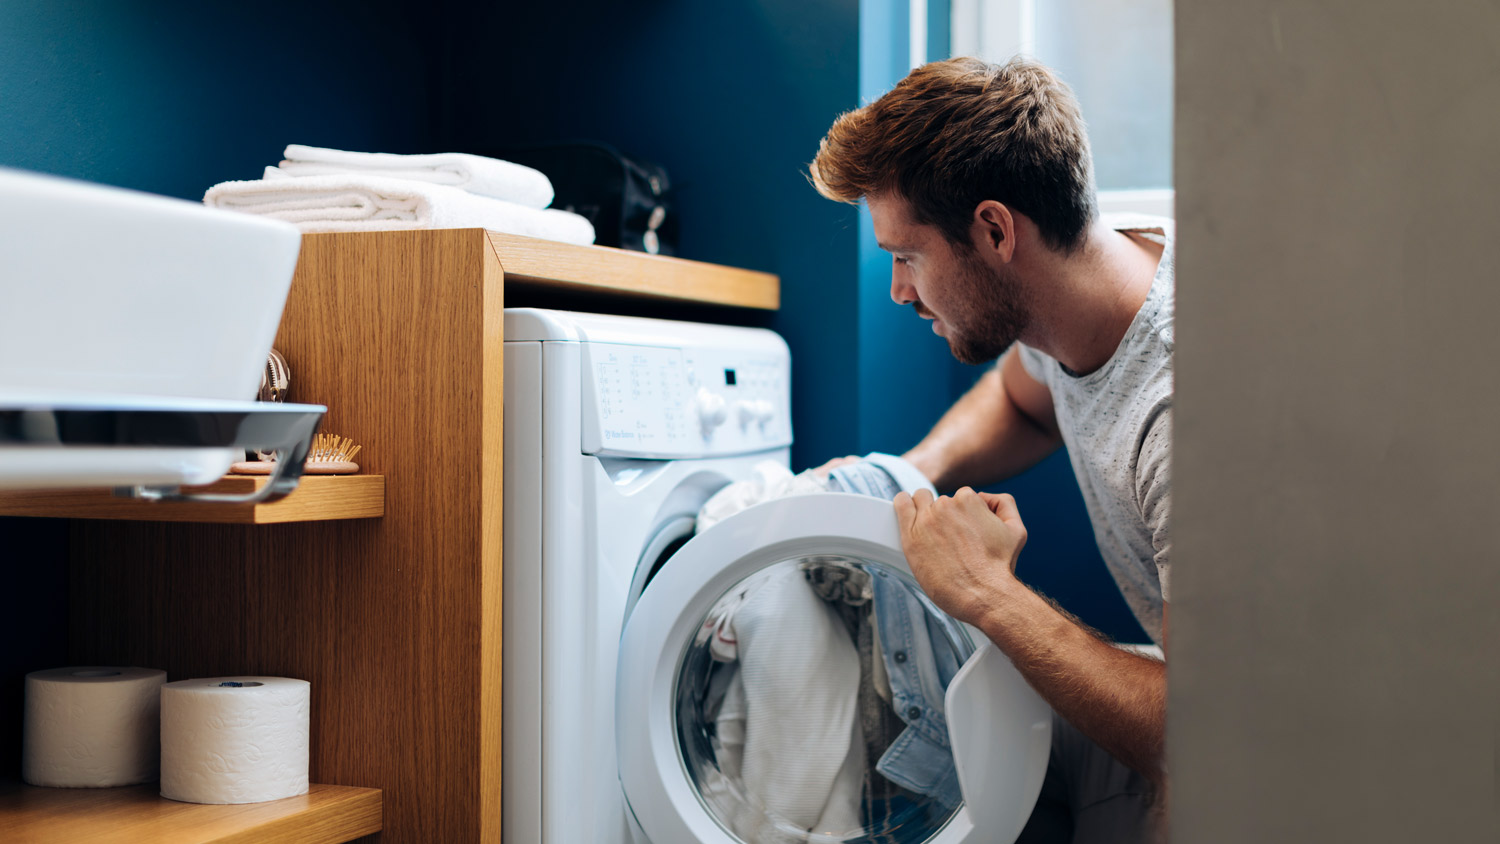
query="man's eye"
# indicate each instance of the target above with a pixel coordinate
(900, 260)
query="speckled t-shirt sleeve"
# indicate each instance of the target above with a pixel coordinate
(1153, 492)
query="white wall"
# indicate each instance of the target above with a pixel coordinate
(1335, 663)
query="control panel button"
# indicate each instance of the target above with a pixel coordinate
(713, 409)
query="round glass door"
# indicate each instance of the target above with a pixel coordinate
(783, 678)
(809, 705)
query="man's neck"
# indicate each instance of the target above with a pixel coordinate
(1086, 301)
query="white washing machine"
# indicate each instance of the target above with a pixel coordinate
(617, 430)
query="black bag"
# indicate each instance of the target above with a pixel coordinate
(628, 201)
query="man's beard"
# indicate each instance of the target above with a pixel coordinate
(995, 317)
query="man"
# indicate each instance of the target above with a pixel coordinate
(979, 181)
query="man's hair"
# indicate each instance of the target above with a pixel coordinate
(955, 133)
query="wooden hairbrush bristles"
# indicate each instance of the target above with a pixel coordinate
(329, 455)
(328, 448)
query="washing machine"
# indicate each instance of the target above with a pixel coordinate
(617, 431)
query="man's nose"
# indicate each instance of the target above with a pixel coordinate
(902, 292)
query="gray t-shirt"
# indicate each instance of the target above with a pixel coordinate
(1117, 424)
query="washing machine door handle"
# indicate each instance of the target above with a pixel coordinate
(987, 690)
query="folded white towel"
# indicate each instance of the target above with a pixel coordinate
(375, 203)
(474, 173)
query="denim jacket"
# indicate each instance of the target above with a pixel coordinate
(920, 758)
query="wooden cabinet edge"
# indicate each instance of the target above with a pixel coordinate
(317, 498)
(604, 269)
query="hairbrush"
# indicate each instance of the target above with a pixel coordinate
(329, 455)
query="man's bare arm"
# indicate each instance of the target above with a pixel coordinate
(1115, 697)
(1003, 426)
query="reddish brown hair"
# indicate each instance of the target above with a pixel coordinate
(955, 133)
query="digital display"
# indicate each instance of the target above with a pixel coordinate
(729, 377)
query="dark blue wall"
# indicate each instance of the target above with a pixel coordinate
(732, 98)
(172, 97)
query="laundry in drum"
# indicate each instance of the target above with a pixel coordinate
(811, 700)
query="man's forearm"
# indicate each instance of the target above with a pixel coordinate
(1113, 696)
(982, 439)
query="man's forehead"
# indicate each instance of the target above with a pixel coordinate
(889, 205)
(895, 230)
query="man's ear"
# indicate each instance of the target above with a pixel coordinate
(994, 230)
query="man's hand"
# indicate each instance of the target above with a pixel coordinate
(962, 549)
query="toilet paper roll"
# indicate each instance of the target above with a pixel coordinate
(91, 726)
(234, 739)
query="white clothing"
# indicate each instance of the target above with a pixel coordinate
(787, 727)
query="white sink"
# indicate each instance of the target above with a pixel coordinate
(141, 308)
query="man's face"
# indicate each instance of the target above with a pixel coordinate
(978, 307)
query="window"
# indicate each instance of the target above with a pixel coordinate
(1117, 57)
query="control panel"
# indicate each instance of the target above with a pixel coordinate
(652, 401)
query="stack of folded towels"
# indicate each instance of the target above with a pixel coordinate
(323, 190)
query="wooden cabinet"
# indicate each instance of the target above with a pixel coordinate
(395, 620)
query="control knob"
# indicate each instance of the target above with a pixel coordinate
(757, 411)
(712, 410)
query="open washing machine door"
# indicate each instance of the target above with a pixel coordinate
(685, 770)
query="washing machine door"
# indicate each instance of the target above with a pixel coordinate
(747, 675)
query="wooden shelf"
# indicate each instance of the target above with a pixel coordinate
(529, 262)
(317, 498)
(326, 814)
